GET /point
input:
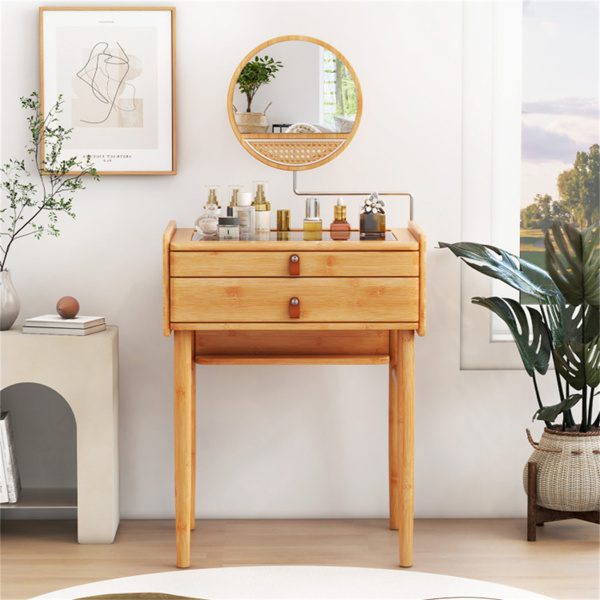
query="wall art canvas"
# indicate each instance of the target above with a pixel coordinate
(115, 70)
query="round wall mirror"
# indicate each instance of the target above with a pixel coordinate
(294, 103)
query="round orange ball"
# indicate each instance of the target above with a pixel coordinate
(67, 307)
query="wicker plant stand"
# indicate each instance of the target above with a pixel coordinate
(538, 515)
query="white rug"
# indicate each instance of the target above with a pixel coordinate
(285, 583)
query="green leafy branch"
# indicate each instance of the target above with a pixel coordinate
(26, 212)
(256, 73)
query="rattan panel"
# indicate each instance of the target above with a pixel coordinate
(295, 152)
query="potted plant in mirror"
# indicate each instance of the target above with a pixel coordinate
(256, 73)
(25, 211)
(562, 330)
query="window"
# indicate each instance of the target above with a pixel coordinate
(560, 121)
(524, 104)
(338, 91)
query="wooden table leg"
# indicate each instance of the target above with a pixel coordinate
(406, 400)
(531, 500)
(193, 483)
(185, 369)
(393, 436)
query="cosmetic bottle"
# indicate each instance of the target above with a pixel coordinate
(313, 226)
(283, 225)
(340, 228)
(235, 192)
(372, 219)
(262, 211)
(208, 222)
(229, 228)
(244, 211)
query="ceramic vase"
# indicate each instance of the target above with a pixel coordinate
(9, 301)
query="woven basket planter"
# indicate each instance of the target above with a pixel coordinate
(568, 470)
(251, 122)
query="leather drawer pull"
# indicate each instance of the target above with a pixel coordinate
(294, 265)
(294, 308)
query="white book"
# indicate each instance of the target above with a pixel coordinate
(7, 444)
(3, 488)
(78, 322)
(63, 330)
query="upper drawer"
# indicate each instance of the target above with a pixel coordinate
(310, 264)
(322, 299)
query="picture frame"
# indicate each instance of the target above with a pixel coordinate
(115, 70)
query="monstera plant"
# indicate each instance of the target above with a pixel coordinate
(563, 328)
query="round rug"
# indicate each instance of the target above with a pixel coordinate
(283, 583)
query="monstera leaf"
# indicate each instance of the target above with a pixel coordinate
(573, 262)
(550, 413)
(578, 363)
(499, 264)
(533, 341)
(579, 322)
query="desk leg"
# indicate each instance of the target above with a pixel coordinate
(193, 456)
(185, 370)
(394, 433)
(406, 401)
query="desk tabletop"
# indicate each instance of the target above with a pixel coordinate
(396, 240)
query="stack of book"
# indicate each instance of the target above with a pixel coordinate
(10, 482)
(56, 325)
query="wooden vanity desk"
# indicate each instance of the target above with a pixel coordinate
(294, 302)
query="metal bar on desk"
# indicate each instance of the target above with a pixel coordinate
(298, 193)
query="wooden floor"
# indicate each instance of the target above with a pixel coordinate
(42, 556)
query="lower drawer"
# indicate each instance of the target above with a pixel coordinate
(321, 299)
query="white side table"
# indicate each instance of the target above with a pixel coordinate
(84, 370)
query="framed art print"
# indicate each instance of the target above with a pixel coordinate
(115, 70)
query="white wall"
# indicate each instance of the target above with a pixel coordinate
(286, 441)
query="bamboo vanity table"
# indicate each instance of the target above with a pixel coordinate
(282, 302)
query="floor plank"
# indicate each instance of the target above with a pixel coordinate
(42, 556)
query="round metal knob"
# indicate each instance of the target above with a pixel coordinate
(295, 301)
(294, 258)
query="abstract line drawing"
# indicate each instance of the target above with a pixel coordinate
(115, 68)
(105, 73)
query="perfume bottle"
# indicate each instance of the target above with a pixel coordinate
(262, 208)
(313, 226)
(372, 219)
(340, 228)
(244, 211)
(283, 225)
(207, 223)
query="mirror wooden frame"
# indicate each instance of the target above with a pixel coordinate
(294, 151)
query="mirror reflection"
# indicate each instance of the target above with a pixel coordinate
(295, 87)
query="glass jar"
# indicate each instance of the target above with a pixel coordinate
(229, 228)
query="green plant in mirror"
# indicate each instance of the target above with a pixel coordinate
(24, 211)
(255, 74)
(564, 328)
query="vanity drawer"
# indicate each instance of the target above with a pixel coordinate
(309, 264)
(247, 300)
